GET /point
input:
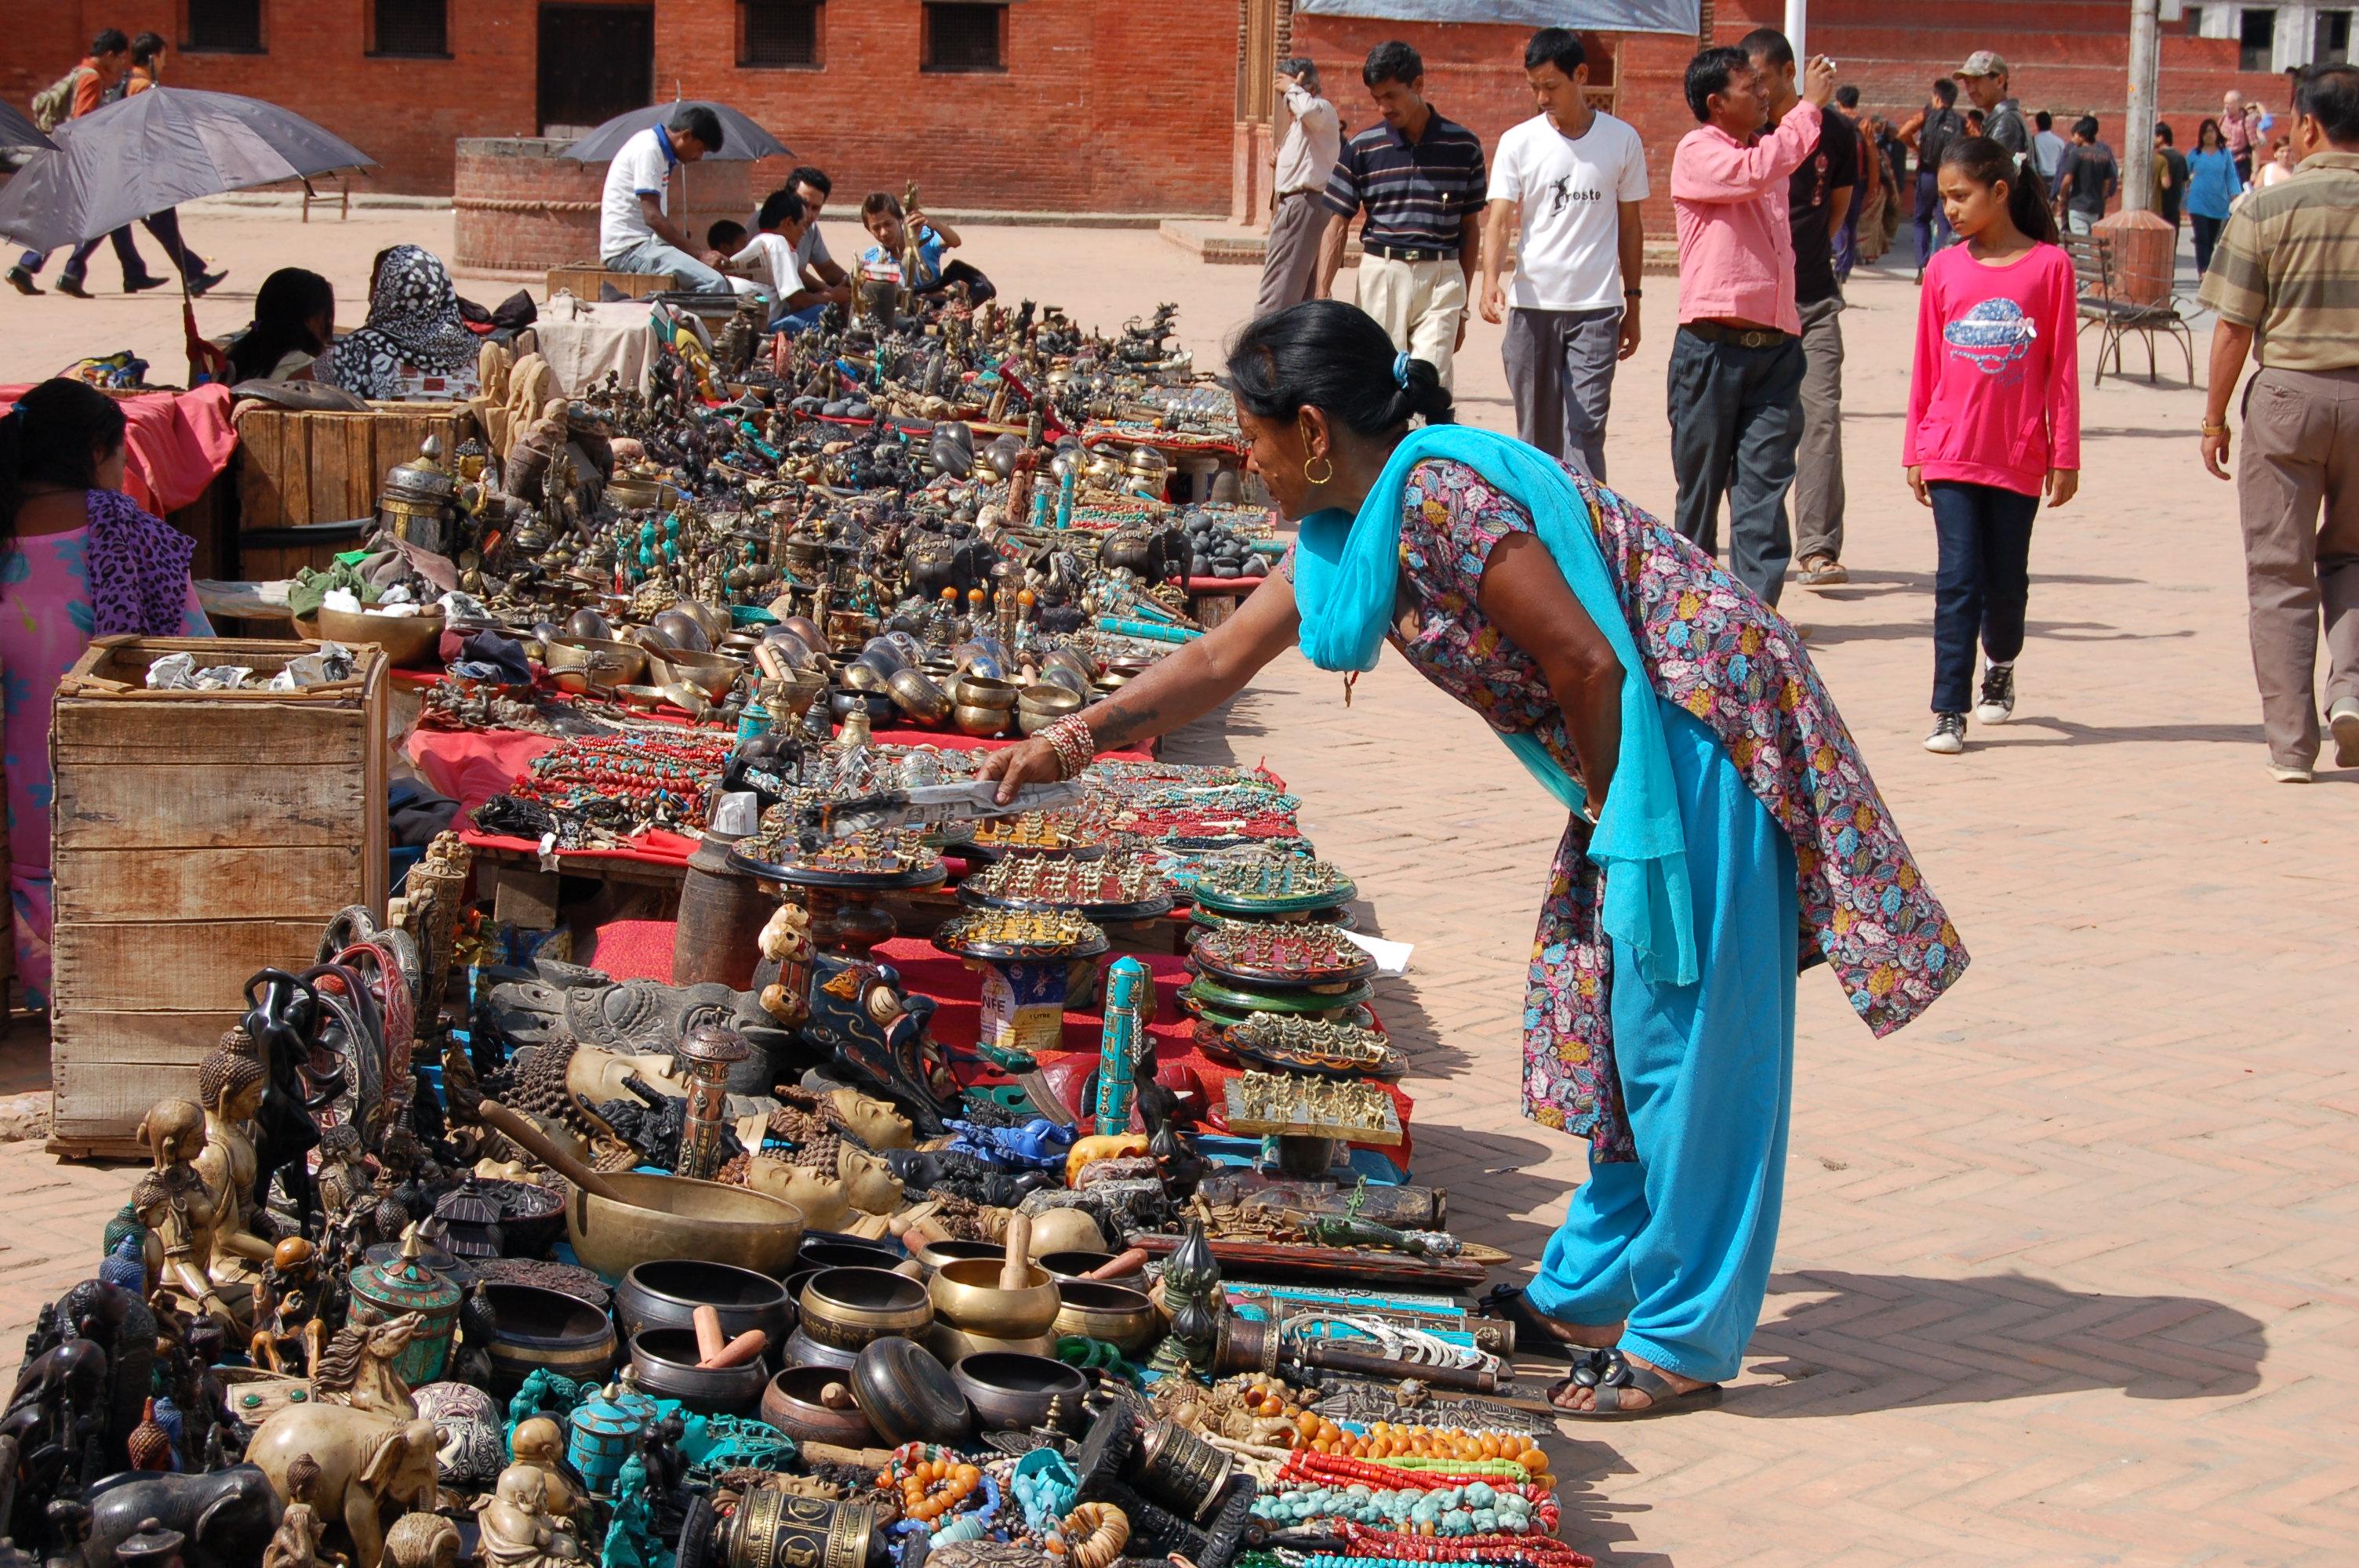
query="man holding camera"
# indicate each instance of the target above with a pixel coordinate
(1305, 158)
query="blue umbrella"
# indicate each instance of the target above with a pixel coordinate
(742, 137)
(15, 131)
(156, 149)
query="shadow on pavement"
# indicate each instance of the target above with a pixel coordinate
(1876, 1342)
(2069, 733)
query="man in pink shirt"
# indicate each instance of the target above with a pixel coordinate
(1737, 363)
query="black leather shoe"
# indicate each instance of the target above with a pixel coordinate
(142, 285)
(72, 286)
(22, 281)
(203, 281)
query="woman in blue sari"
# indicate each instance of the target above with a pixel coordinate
(1723, 831)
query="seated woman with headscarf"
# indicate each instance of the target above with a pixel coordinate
(294, 323)
(414, 344)
(82, 560)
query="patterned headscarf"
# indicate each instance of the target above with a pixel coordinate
(413, 320)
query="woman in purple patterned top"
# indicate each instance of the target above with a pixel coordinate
(78, 559)
(1682, 719)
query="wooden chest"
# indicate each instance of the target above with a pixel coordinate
(298, 466)
(196, 838)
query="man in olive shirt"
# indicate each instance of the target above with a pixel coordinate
(2285, 275)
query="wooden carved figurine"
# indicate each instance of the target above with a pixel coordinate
(230, 1085)
(172, 1201)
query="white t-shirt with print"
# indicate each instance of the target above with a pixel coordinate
(639, 168)
(1566, 252)
(776, 258)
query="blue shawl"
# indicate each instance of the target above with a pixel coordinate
(1345, 573)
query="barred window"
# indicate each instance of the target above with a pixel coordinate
(778, 32)
(413, 27)
(963, 36)
(228, 26)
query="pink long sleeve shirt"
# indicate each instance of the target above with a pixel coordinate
(1737, 250)
(1995, 395)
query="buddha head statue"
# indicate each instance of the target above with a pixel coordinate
(230, 1082)
(872, 1120)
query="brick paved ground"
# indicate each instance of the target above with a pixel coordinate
(2067, 1274)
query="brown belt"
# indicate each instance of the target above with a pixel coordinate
(1743, 337)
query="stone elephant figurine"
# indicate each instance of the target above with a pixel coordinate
(372, 1466)
(228, 1515)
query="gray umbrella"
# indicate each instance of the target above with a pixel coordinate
(156, 149)
(742, 137)
(15, 131)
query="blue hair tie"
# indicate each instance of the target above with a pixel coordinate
(1400, 370)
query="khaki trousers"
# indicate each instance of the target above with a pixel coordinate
(2297, 486)
(1420, 304)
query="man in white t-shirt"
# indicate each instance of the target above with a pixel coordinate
(770, 258)
(819, 281)
(1573, 177)
(636, 233)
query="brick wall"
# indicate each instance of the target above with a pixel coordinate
(1106, 105)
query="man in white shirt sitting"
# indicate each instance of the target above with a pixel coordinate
(636, 233)
(1575, 176)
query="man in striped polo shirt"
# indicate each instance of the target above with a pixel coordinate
(1421, 178)
(2286, 273)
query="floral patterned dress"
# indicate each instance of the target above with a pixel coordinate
(1714, 649)
(45, 621)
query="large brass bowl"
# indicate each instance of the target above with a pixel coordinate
(917, 695)
(980, 723)
(580, 663)
(966, 1294)
(671, 1217)
(971, 690)
(410, 642)
(712, 675)
(1121, 1316)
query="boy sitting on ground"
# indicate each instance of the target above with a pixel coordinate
(882, 216)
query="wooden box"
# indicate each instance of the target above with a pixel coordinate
(587, 282)
(196, 837)
(305, 465)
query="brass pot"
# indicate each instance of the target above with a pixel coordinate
(410, 642)
(932, 1255)
(918, 697)
(597, 663)
(972, 690)
(672, 1216)
(848, 1308)
(1121, 1316)
(980, 721)
(952, 1345)
(1049, 698)
(967, 1295)
(713, 674)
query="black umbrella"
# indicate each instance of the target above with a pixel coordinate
(742, 137)
(15, 131)
(156, 149)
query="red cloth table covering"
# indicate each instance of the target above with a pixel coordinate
(176, 443)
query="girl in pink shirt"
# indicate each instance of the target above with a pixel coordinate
(1994, 418)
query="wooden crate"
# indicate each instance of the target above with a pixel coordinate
(306, 465)
(586, 282)
(196, 837)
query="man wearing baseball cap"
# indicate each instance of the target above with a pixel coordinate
(1983, 76)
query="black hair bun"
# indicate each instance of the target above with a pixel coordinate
(1425, 395)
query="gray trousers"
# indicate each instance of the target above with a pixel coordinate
(1289, 267)
(2298, 488)
(1561, 369)
(1818, 461)
(1736, 414)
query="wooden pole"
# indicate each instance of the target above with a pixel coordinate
(2137, 133)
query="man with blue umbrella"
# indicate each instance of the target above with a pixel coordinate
(636, 233)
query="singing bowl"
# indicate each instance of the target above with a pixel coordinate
(794, 696)
(667, 1293)
(851, 1308)
(531, 1217)
(972, 690)
(712, 675)
(663, 1364)
(410, 642)
(967, 1295)
(667, 1216)
(909, 1396)
(802, 1350)
(980, 721)
(834, 1250)
(1121, 1316)
(952, 1345)
(934, 1254)
(1012, 1392)
(918, 697)
(676, 628)
(791, 1402)
(542, 1330)
(598, 661)
(1031, 720)
(1073, 1265)
(1049, 698)
(864, 673)
(876, 704)
(644, 697)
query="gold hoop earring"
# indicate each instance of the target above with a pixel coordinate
(1326, 477)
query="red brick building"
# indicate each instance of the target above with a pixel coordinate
(1055, 105)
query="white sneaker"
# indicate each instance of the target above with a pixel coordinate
(2344, 718)
(1949, 736)
(1997, 705)
(2277, 771)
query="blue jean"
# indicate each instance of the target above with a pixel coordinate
(1677, 1245)
(126, 255)
(795, 321)
(1932, 218)
(652, 254)
(1736, 419)
(1981, 583)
